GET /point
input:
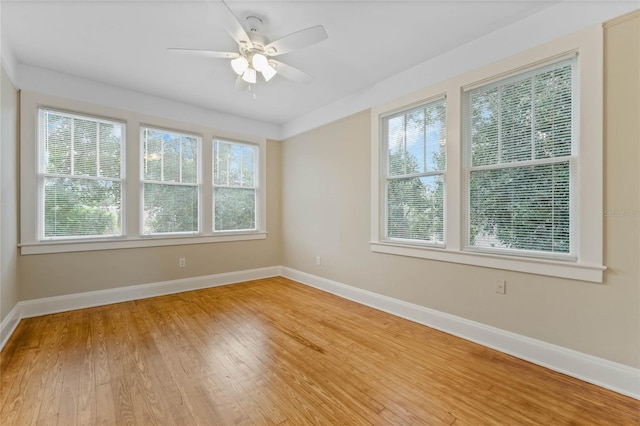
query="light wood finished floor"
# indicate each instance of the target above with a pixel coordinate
(274, 352)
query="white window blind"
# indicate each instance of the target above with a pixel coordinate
(235, 186)
(171, 182)
(80, 176)
(414, 145)
(520, 137)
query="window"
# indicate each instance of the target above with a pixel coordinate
(133, 180)
(80, 176)
(415, 159)
(521, 182)
(170, 182)
(521, 153)
(235, 186)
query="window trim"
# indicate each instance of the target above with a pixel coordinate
(31, 102)
(588, 266)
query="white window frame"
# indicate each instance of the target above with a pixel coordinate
(143, 181)
(256, 186)
(29, 243)
(428, 173)
(587, 266)
(43, 174)
(573, 160)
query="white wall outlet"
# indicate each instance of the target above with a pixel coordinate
(501, 286)
(182, 262)
(318, 261)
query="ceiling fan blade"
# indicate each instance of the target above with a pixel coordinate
(233, 26)
(297, 40)
(204, 53)
(240, 85)
(292, 73)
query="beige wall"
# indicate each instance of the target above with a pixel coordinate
(9, 194)
(326, 212)
(46, 275)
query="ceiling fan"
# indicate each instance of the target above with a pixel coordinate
(255, 53)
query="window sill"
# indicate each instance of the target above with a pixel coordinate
(92, 245)
(575, 271)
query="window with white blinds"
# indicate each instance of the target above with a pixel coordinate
(80, 176)
(170, 182)
(235, 186)
(520, 140)
(414, 146)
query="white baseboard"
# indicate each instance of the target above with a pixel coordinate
(9, 324)
(52, 305)
(607, 374)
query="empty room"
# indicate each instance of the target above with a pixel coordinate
(290, 212)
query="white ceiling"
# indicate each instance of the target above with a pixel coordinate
(123, 44)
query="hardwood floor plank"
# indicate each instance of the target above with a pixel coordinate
(75, 354)
(105, 408)
(100, 355)
(346, 347)
(119, 362)
(87, 408)
(13, 357)
(233, 354)
(53, 373)
(156, 374)
(236, 322)
(16, 363)
(274, 352)
(354, 392)
(185, 391)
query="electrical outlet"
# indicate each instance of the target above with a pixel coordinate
(501, 286)
(318, 261)
(182, 262)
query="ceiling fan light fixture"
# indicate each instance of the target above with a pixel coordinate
(268, 72)
(249, 76)
(240, 65)
(259, 62)
(255, 51)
